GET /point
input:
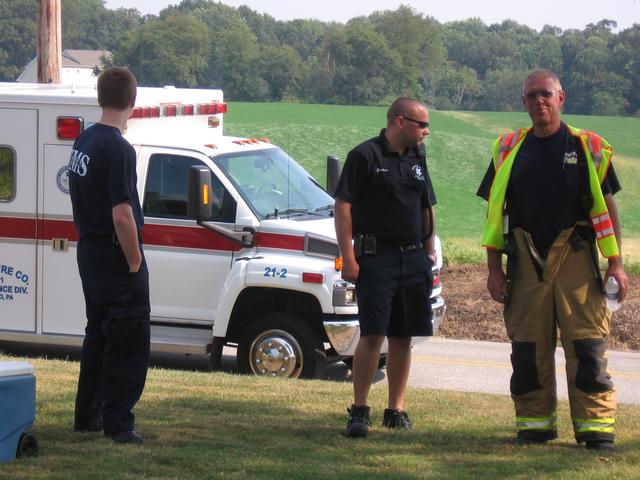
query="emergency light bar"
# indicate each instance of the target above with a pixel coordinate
(179, 110)
(251, 141)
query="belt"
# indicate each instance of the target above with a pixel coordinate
(401, 247)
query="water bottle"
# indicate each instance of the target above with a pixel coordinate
(611, 290)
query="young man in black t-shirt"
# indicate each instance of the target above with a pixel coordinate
(384, 225)
(115, 280)
(554, 186)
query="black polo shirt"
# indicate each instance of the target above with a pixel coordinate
(388, 192)
(544, 187)
(102, 174)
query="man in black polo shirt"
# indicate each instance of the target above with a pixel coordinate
(385, 228)
(115, 280)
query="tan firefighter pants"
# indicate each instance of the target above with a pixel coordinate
(564, 293)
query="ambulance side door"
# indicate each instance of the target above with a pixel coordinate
(188, 264)
(18, 218)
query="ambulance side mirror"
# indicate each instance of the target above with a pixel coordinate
(333, 174)
(199, 193)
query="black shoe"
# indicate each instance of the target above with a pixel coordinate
(358, 423)
(127, 437)
(535, 437)
(530, 441)
(601, 445)
(88, 427)
(396, 419)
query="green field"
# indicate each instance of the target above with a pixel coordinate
(201, 425)
(459, 152)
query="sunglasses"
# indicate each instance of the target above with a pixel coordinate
(420, 123)
(531, 96)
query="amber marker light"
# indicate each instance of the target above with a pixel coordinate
(205, 194)
(338, 263)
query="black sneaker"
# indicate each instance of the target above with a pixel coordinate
(127, 437)
(601, 445)
(358, 423)
(396, 419)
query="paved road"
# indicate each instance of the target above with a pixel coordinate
(470, 366)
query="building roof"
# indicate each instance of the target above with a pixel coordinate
(84, 58)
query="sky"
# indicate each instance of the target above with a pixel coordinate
(565, 14)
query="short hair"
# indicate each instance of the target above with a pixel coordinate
(541, 73)
(117, 88)
(400, 106)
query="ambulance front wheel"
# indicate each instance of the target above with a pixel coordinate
(27, 446)
(280, 345)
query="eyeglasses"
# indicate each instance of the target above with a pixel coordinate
(420, 123)
(531, 96)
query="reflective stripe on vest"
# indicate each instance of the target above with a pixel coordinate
(584, 425)
(536, 423)
(598, 153)
(507, 143)
(602, 225)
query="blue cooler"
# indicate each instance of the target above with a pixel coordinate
(17, 410)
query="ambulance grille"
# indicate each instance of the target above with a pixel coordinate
(320, 247)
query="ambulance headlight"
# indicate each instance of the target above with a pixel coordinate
(344, 294)
(350, 295)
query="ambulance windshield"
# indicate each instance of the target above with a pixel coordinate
(274, 185)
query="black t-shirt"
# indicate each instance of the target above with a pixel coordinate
(543, 196)
(388, 192)
(102, 174)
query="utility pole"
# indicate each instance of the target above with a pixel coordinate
(49, 45)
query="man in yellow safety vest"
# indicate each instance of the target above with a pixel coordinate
(550, 190)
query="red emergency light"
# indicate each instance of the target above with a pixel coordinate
(69, 128)
(178, 110)
(216, 108)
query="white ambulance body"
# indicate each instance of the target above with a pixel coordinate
(265, 279)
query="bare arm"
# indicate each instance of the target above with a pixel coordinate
(429, 228)
(344, 233)
(127, 233)
(616, 269)
(497, 280)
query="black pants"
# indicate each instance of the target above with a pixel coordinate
(115, 352)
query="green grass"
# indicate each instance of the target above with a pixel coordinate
(459, 152)
(202, 425)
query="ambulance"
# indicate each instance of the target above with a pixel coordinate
(261, 273)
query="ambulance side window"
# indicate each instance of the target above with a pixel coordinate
(165, 193)
(7, 174)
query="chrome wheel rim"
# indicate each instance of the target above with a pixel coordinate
(276, 353)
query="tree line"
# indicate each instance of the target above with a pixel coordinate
(370, 60)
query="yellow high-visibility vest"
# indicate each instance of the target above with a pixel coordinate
(598, 153)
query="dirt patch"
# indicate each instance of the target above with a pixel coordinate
(473, 315)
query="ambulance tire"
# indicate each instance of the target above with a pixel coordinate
(382, 363)
(27, 446)
(280, 345)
